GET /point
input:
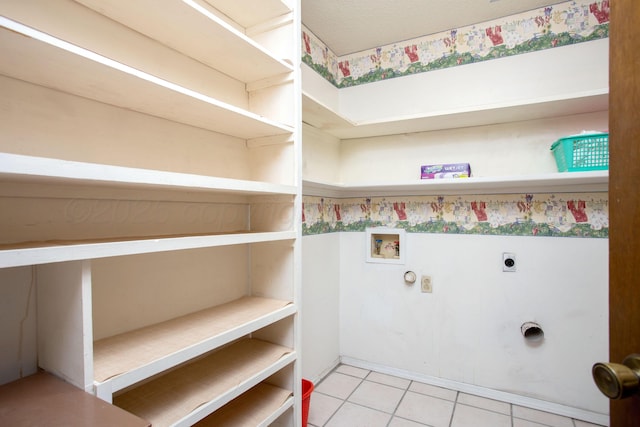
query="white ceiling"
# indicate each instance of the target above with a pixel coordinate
(349, 26)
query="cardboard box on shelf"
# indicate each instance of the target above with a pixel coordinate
(445, 170)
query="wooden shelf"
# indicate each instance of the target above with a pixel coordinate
(199, 388)
(128, 358)
(44, 170)
(16, 255)
(43, 399)
(177, 23)
(260, 406)
(250, 13)
(323, 118)
(44, 60)
(552, 183)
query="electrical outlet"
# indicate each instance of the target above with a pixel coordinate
(426, 285)
(508, 262)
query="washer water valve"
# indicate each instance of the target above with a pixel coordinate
(410, 277)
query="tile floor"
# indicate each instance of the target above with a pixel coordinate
(354, 397)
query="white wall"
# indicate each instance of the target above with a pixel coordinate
(18, 357)
(320, 304)
(320, 155)
(468, 329)
(544, 75)
(520, 148)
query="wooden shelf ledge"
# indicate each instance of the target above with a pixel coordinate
(45, 170)
(78, 71)
(21, 254)
(125, 359)
(578, 182)
(260, 406)
(176, 23)
(43, 399)
(192, 392)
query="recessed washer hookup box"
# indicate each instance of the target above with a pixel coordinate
(448, 170)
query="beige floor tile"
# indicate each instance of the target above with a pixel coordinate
(431, 390)
(585, 424)
(425, 409)
(541, 417)
(377, 396)
(389, 380)
(321, 408)
(351, 415)
(469, 416)
(401, 422)
(518, 422)
(352, 370)
(338, 385)
(484, 403)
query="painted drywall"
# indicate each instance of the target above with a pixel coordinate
(512, 148)
(18, 357)
(550, 74)
(320, 155)
(520, 148)
(320, 304)
(468, 329)
(550, 27)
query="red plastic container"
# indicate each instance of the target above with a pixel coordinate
(307, 389)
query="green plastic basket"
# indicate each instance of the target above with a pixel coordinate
(588, 152)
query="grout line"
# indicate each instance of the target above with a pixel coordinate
(404, 393)
(453, 411)
(513, 419)
(511, 414)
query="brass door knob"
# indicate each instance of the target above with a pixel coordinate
(617, 381)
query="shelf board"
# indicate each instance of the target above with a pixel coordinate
(249, 13)
(190, 393)
(32, 253)
(45, 399)
(260, 406)
(41, 59)
(43, 170)
(316, 114)
(178, 23)
(125, 359)
(544, 183)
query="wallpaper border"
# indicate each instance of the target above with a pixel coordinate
(563, 24)
(550, 215)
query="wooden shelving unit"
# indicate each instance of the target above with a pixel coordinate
(149, 170)
(122, 360)
(81, 72)
(201, 387)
